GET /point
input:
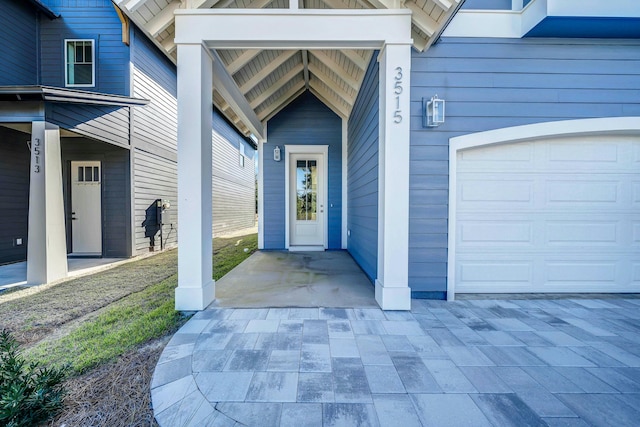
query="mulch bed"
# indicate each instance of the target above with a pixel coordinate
(116, 394)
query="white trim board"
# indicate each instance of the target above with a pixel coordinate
(517, 23)
(510, 135)
(305, 149)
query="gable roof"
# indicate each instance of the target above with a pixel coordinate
(271, 79)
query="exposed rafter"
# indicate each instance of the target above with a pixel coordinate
(265, 71)
(339, 92)
(133, 5)
(344, 77)
(242, 60)
(162, 20)
(355, 57)
(422, 20)
(325, 97)
(275, 87)
(305, 64)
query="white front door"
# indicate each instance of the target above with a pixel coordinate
(306, 201)
(86, 208)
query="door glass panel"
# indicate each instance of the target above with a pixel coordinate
(96, 174)
(88, 173)
(306, 190)
(80, 174)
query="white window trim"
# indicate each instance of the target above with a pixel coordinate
(93, 63)
(306, 149)
(516, 134)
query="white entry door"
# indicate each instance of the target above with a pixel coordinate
(86, 208)
(306, 201)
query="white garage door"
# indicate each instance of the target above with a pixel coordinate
(559, 215)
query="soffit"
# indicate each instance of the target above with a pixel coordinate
(271, 79)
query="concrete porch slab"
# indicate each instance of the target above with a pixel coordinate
(296, 279)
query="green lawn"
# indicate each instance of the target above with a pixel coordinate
(94, 338)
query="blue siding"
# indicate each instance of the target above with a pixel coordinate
(487, 4)
(362, 179)
(231, 135)
(495, 83)
(306, 121)
(18, 44)
(103, 123)
(87, 19)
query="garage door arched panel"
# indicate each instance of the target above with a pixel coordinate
(556, 213)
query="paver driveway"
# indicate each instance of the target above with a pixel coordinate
(560, 362)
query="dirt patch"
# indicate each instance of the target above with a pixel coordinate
(36, 315)
(116, 394)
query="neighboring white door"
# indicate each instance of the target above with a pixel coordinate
(555, 215)
(86, 208)
(306, 200)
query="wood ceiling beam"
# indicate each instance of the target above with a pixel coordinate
(305, 64)
(265, 71)
(324, 97)
(335, 4)
(282, 81)
(335, 67)
(162, 20)
(258, 4)
(243, 59)
(346, 78)
(335, 88)
(422, 20)
(355, 57)
(283, 101)
(133, 5)
(168, 44)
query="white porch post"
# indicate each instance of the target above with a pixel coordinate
(196, 288)
(392, 284)
(47, 244)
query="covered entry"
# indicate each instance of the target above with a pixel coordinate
(253, 59)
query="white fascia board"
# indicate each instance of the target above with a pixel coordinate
(517, 23)
(592, 8)
(293, 29)
(485, 23)
(227, 87)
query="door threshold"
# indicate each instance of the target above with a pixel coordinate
(300, 248)
(72, 255)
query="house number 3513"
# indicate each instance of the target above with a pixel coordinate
(36, 155)
(397, 90)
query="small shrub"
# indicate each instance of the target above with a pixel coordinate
(29, 393)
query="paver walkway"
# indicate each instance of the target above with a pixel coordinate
(562, 362)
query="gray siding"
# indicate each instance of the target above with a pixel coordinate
(154, 138)
(103, 123)
(18, 43)
(155, 178)
(496, 83)
(14, 194)
(116, 192)
(86, 19)
(306, 121)
(362, 176)
(233, 185)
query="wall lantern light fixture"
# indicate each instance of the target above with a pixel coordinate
(433, 111)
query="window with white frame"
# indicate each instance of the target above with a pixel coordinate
(79, 63)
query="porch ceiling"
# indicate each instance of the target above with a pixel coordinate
(271, 79)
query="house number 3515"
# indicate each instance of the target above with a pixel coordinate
(397, 90)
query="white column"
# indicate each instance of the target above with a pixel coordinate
(345, 188)
(47, 244)
(196, 288)
(392, 284)
(261, 194)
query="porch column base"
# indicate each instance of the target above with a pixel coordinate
(390, 298)
(195, 299)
